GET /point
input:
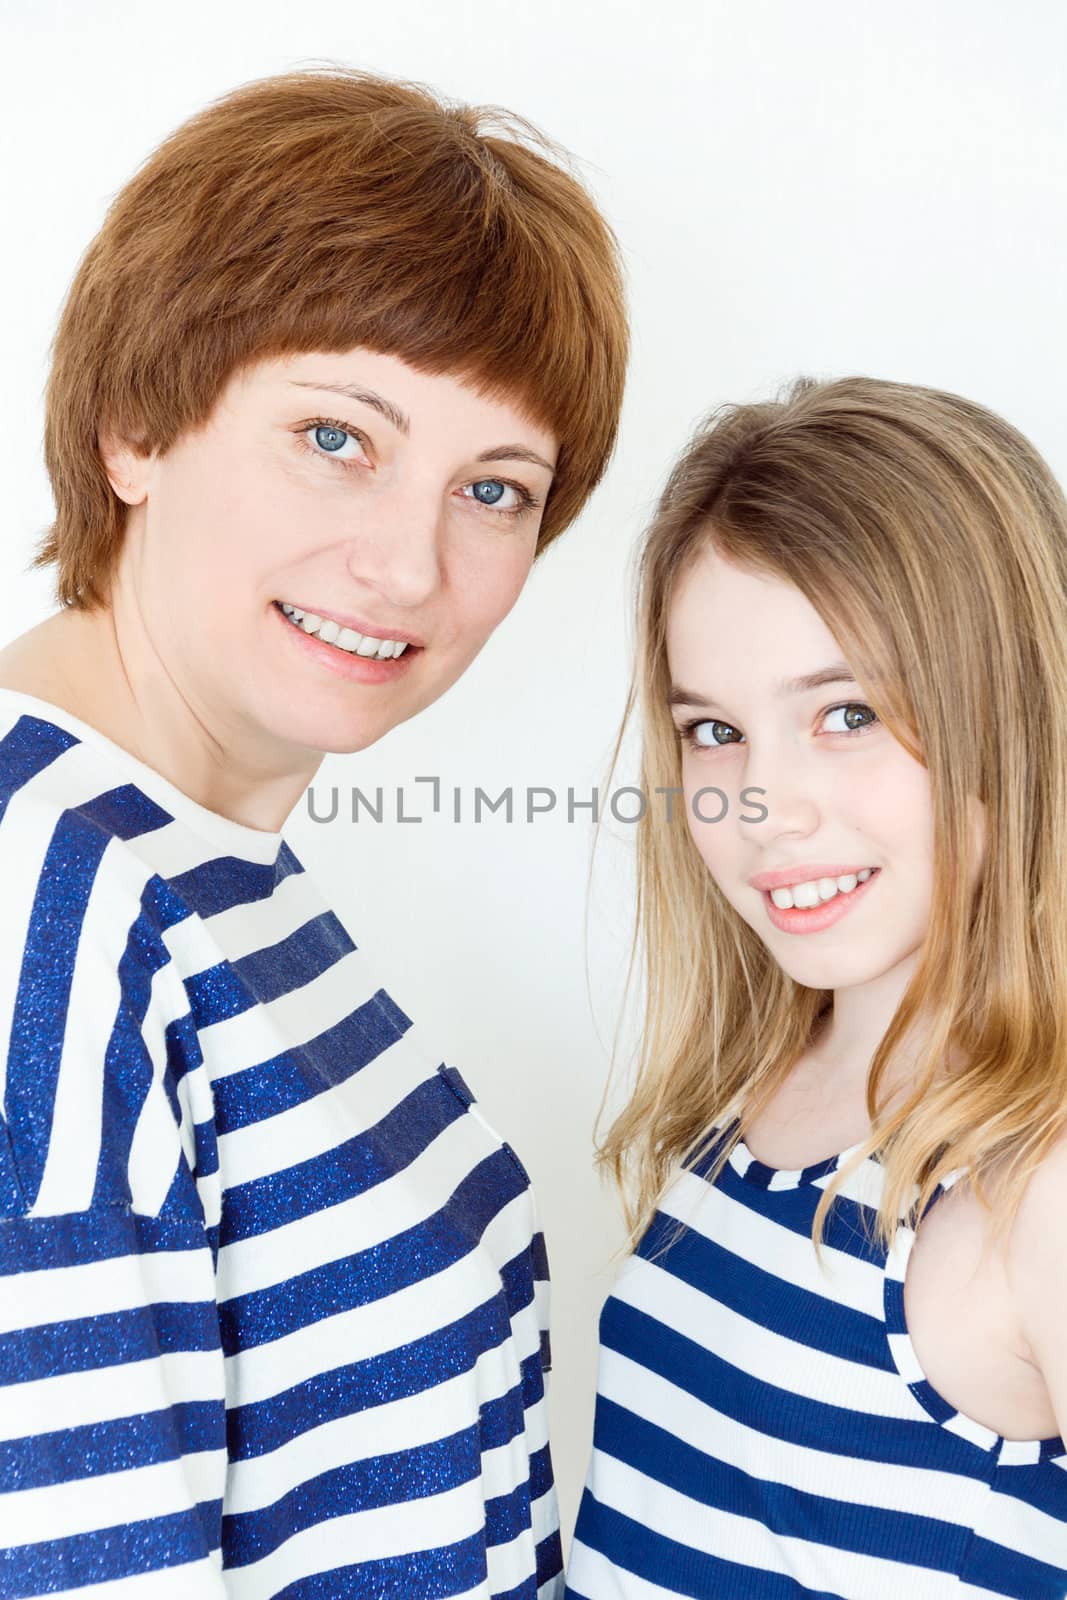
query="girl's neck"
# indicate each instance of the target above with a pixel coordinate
(850, 1032)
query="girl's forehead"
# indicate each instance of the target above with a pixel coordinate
(732, 634)
(714, 600)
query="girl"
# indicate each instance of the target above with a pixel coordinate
(852, 662)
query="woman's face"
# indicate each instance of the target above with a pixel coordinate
(837, 801)
(406, 509)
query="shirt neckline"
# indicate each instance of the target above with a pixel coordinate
(902, 1353)
(232, 838)
(757, 1172)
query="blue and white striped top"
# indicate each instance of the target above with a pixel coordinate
(273, 1295)
(765, 1432)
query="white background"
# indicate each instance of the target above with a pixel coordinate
(828, 187)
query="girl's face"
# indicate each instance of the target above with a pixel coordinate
(404, 506)
(841, 795)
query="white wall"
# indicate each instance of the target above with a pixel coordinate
(824, 187)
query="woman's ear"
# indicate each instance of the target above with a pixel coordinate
(125, 466)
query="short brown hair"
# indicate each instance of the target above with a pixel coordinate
(323, 209)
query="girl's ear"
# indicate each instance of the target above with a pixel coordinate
(126, 468)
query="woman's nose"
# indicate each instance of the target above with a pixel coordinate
(397, 548)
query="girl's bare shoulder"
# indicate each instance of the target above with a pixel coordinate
(1037, 1272)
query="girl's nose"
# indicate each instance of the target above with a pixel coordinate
(789, 796)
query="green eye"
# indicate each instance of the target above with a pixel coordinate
(852, 705)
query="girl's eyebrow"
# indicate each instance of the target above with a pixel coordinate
(838, 672)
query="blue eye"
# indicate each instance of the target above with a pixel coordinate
(330, 438)
(490, 491)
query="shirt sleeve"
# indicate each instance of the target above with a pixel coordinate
(112, 1395)
(112, 1419)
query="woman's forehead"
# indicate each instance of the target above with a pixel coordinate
(392, 386)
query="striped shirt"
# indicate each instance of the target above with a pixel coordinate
(765, 1432)
(273, 1295)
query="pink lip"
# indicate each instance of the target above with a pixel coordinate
(358, 625)
(803, 872)
(813, 919)
(353, 668)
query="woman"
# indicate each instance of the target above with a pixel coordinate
(339, 365)
(852, 659)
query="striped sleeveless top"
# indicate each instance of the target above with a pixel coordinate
(765, 1432)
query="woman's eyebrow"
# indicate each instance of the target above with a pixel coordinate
(837, 673)
(393, 414)
(515, 452)
(369, 397)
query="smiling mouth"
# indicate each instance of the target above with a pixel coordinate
(347, 640)
(811, 893)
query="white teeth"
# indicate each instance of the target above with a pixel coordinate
(344, 638)
(817, 890)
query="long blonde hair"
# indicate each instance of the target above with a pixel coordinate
(931, 538)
